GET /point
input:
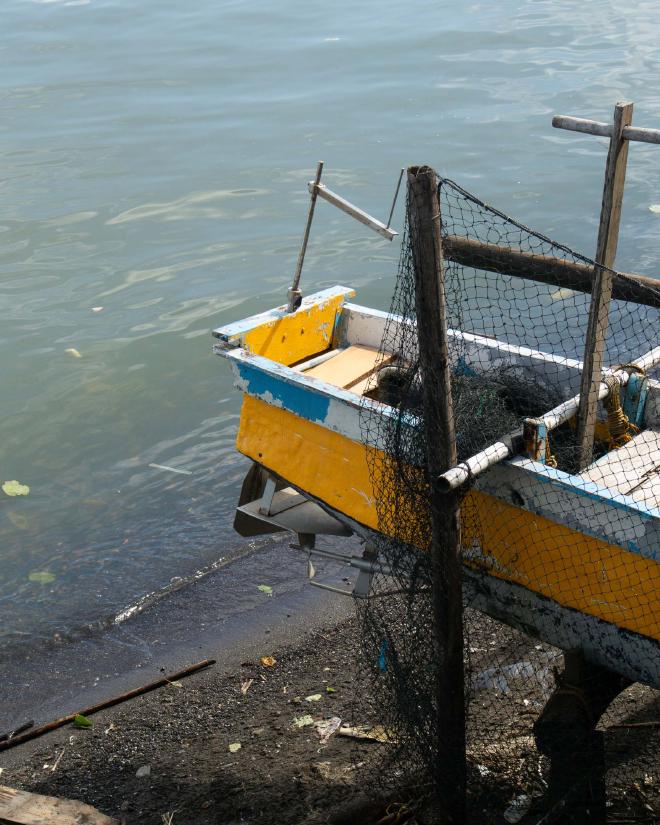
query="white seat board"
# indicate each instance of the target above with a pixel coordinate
(632, 470)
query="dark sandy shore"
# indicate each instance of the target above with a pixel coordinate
(281, 773)
(170, 756)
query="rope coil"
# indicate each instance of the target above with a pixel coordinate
(620, 428)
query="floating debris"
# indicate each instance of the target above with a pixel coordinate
(15, 488)
(170, 469)
(41, 577)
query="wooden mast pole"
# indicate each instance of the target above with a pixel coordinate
(608, 236)
(430, 304)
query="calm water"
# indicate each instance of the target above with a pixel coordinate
(153, 162)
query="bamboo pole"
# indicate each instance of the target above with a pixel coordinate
(430, 304)
(107, 703)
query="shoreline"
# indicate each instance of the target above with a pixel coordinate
(221, 615)
(168, 752)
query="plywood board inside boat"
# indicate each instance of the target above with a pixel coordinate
(632, 470)
(351, 367)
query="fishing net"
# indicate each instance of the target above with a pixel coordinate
(561, 615)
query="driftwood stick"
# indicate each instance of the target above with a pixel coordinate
(20, 729)
(639, 289)
(106, 703)
(654, 723)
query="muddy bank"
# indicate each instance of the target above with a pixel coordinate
(182, 741)
(173, 756)
(221, 615)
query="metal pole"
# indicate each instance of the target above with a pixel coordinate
(294, 294)
(430, 304)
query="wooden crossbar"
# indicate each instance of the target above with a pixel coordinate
(596, 127)
(546, 269)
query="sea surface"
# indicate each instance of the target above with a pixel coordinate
(153, 166)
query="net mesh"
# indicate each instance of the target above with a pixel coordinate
(561, 616)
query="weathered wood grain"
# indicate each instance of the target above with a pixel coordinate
(638, 289)
(601, 294)
(430, 306)
(23, 808)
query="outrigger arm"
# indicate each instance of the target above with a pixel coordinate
(318, 189)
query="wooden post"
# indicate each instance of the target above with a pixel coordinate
(608, 235)
(430, 304)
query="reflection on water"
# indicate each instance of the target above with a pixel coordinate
(153, 162)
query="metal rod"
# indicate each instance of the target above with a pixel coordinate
(396, 195)
(596, 127)
(294, 294)
(366, 565)
(352, 210)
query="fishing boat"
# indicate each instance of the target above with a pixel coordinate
(571, 557)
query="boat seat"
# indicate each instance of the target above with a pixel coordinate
(632, 470)
(352, 368)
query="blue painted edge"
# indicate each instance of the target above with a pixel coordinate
(588, 489)
(238, 328)
(284, 387)
(302, 395)
(634, 398)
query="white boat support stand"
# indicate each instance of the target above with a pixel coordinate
(284, 508)
(367, 565)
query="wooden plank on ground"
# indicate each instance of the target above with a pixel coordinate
(23, 808)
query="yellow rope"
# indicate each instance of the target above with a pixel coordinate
(621, 430)
(395, 812)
